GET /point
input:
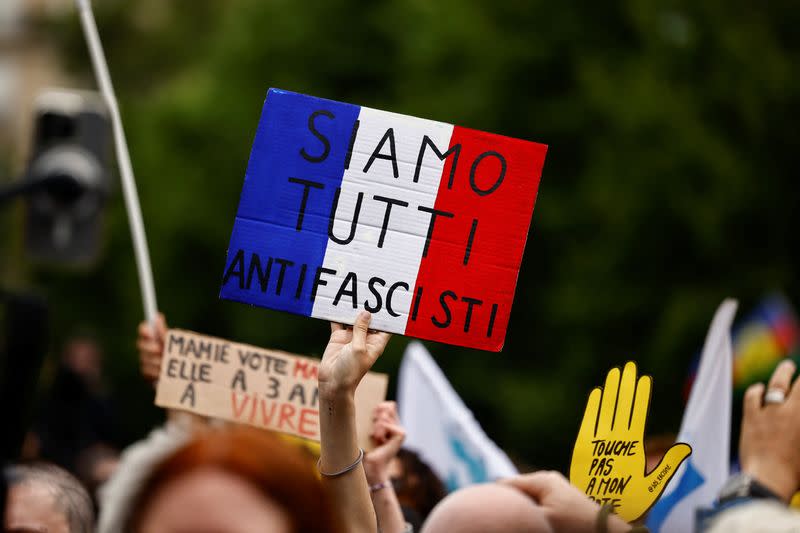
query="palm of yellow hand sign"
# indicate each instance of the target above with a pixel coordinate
(609, 461)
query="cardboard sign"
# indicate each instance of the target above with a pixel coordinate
(264, 388)
(609, 460)
(421, 223)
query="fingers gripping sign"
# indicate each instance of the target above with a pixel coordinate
(609, 460)
(349, 355)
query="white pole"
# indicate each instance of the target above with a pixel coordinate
(123, 160)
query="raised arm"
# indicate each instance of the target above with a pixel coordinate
(388, 436)
(349, 355)
(150, 344)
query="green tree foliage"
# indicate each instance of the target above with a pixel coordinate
(669, 184)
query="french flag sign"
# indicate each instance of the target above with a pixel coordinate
(421, 223)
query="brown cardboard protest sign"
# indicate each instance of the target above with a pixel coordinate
(269, 389)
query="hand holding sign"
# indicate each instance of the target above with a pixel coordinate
(349, 355)
(150, 344)
(609, 461)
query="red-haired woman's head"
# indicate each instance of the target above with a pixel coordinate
(234, 480)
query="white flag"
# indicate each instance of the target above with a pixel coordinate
(441, 429)
(706, 427)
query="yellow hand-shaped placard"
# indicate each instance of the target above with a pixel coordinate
(609, 461)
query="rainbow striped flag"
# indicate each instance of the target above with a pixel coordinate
(769, 334)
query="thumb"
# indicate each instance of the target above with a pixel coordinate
(662, 473)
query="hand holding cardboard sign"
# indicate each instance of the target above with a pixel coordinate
(150, 344)
(349, 355)
(609, 460)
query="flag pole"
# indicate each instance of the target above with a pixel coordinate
(132, 206)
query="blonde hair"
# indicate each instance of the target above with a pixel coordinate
(757, 517)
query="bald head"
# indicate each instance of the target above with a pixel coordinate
(489, 507)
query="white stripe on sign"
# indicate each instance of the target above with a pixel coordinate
(401, 239)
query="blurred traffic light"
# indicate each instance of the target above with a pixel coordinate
(67, 177)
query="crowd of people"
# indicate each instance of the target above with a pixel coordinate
(202, 475)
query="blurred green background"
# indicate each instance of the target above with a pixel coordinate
(670, 181)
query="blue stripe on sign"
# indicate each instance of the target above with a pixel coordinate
(691, 480)
(266, 223)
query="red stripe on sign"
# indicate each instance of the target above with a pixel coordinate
(466, 281)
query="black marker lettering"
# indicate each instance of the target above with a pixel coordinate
(353, 136)
(283, 263)
(238, 261)
(239, 380)
(448, 315)
(491, 320)
(298, 390)
(498, 181)
(392, 156)
(389, 203)
(377, 307)
(255, 267)
(415, 308)
(353, 224)
(389, 295)
(325, 142)
(468, 316)
(454, 150)
(434, 213)
(319, 282)
(175, 340)
(301, 281)
(188, 395)
(307, 184)
(352, 292)
(468, 250)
